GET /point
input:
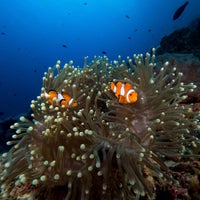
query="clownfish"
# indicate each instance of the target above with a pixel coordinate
(124, 92)
(63, 98)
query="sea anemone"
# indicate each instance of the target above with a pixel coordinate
(100, 148)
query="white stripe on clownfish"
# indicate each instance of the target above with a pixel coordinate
(122, 90)
(60, 97)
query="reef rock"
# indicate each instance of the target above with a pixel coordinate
(185, 40)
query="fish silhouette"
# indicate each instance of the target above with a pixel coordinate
(180, 10)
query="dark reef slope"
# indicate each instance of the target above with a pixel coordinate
(185, 40)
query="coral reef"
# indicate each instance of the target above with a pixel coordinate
(101, 148)
(185, 40)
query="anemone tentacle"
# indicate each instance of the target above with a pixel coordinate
(100, 147)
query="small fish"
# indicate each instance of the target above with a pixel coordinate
(124, 92)
(3, 33)
(180, 10)
(129, 37)
(63, 98)
(85, 4)
(104, 52)
(127, 16)
(64, 46)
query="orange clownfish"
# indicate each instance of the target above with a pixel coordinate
(124, 92)
(63, 98)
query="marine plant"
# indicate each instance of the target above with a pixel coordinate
(100, 147)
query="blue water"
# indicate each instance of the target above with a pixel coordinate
(33, 32)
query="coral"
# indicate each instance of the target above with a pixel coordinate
(100, 148)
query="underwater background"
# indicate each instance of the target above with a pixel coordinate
(34, 34)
